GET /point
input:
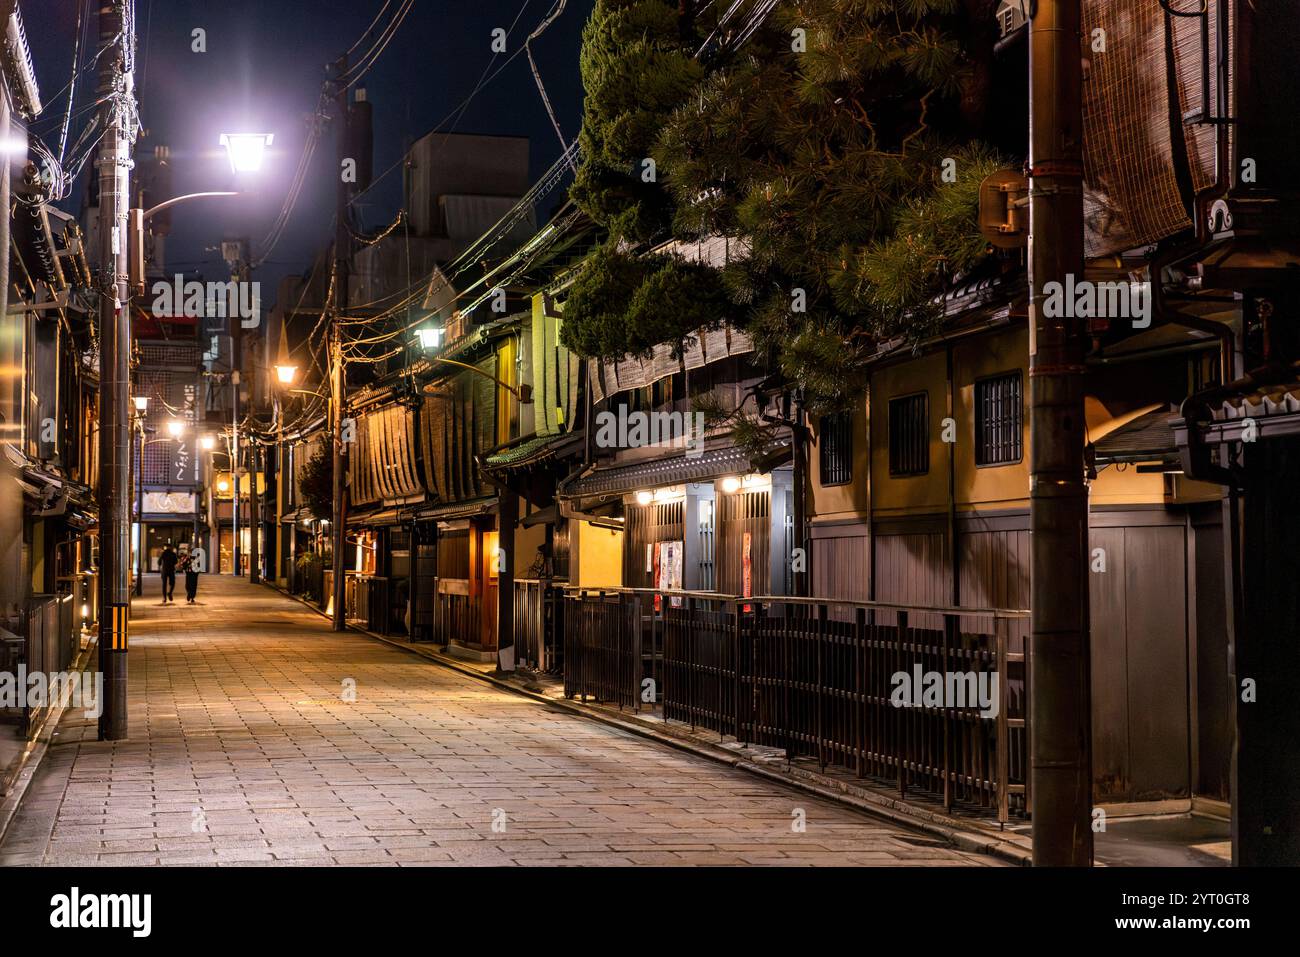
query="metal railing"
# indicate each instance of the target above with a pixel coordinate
(928, 698)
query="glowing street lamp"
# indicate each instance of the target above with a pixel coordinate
(223, 486)
(246, 150)
(286, 374)
(141, 403)
(430, 337)
(175, 427)
(207, 443)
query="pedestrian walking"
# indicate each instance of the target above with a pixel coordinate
(167, 561)
(190, 566)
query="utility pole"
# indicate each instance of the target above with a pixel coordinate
(235, 258)
(255, 513)
(339, 378)
(116, 89)
(139, 504)
(1060, 727)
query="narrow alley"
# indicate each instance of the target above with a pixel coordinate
(259, 736)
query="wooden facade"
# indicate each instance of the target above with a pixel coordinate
(958, 533)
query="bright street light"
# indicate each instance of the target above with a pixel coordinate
(141, 402)
(175, 427)
(286, 374)
(207, 443)
(430, 337)
(246, 150)
(223, 486)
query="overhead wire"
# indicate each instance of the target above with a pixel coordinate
(537, 76)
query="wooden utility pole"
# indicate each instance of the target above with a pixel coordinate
(339, 379)
(116, 90)
(1059, 681)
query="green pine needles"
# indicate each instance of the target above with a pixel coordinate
(827, 144)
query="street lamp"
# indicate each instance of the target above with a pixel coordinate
(286, 374)
(207, 443)
(246, 150)
(175, 427)
(141, 403)
(430, 337)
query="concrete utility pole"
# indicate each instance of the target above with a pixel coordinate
(1060, 699)
(255, 514)
(116, 88)
(236, 363)
(339, 379)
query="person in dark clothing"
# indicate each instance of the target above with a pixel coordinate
(190, 566)
(167, 561)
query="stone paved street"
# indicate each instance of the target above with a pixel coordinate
(244, 750)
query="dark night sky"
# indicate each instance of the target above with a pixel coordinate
(262, 72)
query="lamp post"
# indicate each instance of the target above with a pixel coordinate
(246, 152)
(141, 403)
(206, 443)
(285, 374)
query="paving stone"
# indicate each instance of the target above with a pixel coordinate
(241, 752)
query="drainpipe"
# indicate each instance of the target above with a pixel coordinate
(955, 584)
(11, 502)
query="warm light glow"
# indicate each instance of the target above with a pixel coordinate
(207, 443)
(429, 336)
(223, 486)
(141, 402)
(731, 485)
(286, 374)
(246, 150)
(644, 497)
(175, 427)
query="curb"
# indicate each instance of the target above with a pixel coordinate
(864, 800)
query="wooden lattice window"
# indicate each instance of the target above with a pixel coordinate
(909, 434)
(835, 448)
(999, 419)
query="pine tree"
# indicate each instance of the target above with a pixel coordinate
(832, 143)
(636, 69)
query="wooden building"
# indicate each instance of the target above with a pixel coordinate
(920, 495)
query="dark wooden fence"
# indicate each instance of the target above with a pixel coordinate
(822, 679)
(538, 639)
(456, 613)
